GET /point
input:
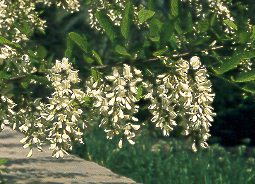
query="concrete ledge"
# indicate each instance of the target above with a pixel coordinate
(42, 169)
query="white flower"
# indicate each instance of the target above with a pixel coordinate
(183, 96)
(58, 120)
(70, 5)
(114, 10)
(116, 101)
(195, 62)
(8, 115)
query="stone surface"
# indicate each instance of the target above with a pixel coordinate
(41, 168)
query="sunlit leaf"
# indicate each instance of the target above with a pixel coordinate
(144, 15)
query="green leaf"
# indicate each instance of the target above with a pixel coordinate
(245, 76)
(151, 4)
(167, 32)
(26, 29)
(4, 75)
(189, 22)
(212, 21)
(203, 26)
(127, 19)
(121, 50)
(95, 74)
(79, 40)
(4, 41)
(173, 43)
(155, 38)
(201, 41)
(253, 33)
(155, 27)
(174, 5)
(88, 60)
(107, 25)
(139, 92)
(244, 37)
(230, 24)
(97, 57)
(41, 52)
(233, 62)
(249, 87)
(69, 48)
(160, 52)
(87, 101)
(144, 15)
(177, 26)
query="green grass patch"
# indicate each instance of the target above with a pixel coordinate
(2, 161)
(170, 161)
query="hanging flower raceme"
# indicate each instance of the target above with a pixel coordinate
(70, 5)
(7, 113)
(63, 110)
(114, 10)
(183, 98)
(15, 62)
(201, 110)
(16, 18)
(60, 119)
(18, 14)
(219, 8)
(19, 18)
(115, 97)
(32, 125)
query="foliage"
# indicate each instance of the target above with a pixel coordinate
(2, 162)
(131, 56)
(170, 161)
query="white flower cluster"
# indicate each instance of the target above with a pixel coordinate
(15, 15)
(183, 98)
(222, 11)
(32, 125)
(18, 13)
(23, 65)
(70, 5)
(6, 52)
(246, 65)
(7, 113)
(63, 110)
(113, 9)
(15, 62)
(115, 97)
(60, 117)
(219, 7)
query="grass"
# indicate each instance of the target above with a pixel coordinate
(154, 161)
(2, 162)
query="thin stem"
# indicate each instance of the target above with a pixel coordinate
(24, 76)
